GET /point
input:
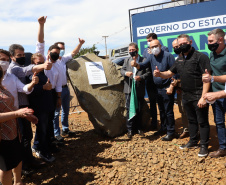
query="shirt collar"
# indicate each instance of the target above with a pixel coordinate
(223, 52)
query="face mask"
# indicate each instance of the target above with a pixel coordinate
(155, 51)
(54, 56)
(185, 48)
(213, 47)
(4, 65)
(20, 61)
(62, 53)
(177, 51)
(133, 54)
(148, 43)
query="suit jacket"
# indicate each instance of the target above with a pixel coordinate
(140, 85)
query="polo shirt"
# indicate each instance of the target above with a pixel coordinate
(218, 65)
(163, 61)
(190, 70)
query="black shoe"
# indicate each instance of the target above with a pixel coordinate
(68, 133)
(59, 138)
(189, 145)
(203, 151)
(168, 137)
(160, 132)
(140, 132)
(130, 134)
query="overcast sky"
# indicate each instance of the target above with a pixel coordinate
(67, 20)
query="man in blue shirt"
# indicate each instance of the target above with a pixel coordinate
(163, 61)
(150, 86)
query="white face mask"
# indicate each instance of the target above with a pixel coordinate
(4, 65)
(155, 51)
(148, 43)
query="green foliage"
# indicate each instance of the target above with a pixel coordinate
(83, 51)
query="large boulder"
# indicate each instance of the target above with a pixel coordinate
(104, 103)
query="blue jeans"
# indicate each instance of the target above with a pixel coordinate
(219, 119)
(165, 105)
(152, 91)
(65, 103)
(42, 137)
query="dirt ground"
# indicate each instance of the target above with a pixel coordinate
(89, 158)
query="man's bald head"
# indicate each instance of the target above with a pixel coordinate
(154, 44)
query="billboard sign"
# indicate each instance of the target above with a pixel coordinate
(196, 20)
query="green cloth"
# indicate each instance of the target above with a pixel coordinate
(218, 65)
(133, 101)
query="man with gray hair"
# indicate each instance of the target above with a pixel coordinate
(131, 73)
(216, 44)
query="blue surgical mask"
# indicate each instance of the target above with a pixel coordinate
(62, 53)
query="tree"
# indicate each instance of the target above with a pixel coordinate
(83, 51)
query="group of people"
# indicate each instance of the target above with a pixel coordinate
(198, 80)
(32, 94)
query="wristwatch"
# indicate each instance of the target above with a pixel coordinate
(212, 79)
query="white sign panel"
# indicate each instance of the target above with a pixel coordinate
(95, 72)
(193, 24)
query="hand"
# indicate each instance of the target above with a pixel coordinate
(129, 74)
(202, 103)
(133, 63)
(23, 112)
(137, 78)
(156, 72)
(35, 78)
(210, 96)
(47, 86)
(42, 19)
(81, 41)
(169, 90)
(206, 77)
(174, 82)
(149, 51)
(48, 65)
(32, 118)
(58, 105)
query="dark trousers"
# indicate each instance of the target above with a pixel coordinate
(51, 116)
(27, 135)
(183, 112)
(152, 92)
(165, 105)
(136, 122)
(42, 138)
(197, 118)
(219, 119)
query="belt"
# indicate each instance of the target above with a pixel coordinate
(63, 86)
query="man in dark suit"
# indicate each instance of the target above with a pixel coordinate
(130, 73)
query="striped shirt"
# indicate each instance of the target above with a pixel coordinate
(8, 129)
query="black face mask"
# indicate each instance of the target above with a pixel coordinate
(133, 53)
(213, 47)
(177, 51)
(185, 48)
(20, 61)
(54, 56)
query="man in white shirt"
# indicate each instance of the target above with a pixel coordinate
(61, 64)
(11, 82)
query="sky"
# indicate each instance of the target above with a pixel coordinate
(68, 20)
